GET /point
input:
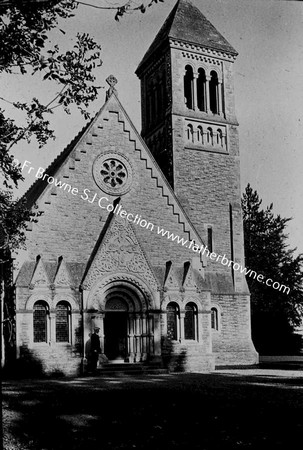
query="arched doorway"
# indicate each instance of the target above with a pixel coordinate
(127, 324)
(116, 329)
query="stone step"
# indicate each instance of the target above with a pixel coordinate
(130, 369)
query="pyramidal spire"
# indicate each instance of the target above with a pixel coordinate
(187, 23)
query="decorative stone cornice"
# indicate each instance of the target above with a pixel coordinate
(209, 52)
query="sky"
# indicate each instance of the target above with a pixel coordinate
(268, 35)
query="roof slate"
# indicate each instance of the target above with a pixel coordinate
(187, 23)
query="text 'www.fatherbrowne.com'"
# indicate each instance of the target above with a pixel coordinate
(104, 203)
(203, 250)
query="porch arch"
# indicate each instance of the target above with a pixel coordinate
(123, 310)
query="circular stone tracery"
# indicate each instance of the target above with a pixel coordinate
(112, 173)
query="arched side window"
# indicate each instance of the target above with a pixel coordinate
(210, 136)
(41, 317)
(190, 133)
(172, 311)
(213, 92)
(63, 311)
(214, 319)
(220, 137)
(210, 239)
(190, 321)
(200, 135)
(201, 90)
(188, 87)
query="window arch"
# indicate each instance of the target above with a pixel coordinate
(63, 314)
(173, 314)
(40, 325)
(189, 87)
(214, 319)
(210, 136)
(190, 133)
(210, 238)
(213, 92)
(219, 137)
(190, 321)
(200, 135)
(201, 90)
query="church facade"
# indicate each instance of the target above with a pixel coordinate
(136, 229)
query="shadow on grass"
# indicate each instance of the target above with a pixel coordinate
(186, 411)
(28, 366)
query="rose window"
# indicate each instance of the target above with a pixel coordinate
(113, 172)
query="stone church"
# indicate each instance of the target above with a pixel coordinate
(125, 217)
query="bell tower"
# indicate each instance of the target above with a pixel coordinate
(189, 124)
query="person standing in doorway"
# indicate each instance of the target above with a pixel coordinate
(95, 349)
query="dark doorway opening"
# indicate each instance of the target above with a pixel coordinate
(115, 335)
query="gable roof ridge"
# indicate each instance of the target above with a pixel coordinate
(57, 161)
(35, 190)
(160, 37)
(187, 23)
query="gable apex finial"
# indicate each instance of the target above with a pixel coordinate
(111, 81)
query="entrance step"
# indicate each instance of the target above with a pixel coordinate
(110, 369)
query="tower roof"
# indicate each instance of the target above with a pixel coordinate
(187, 23)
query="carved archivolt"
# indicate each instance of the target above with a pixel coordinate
(130, 288)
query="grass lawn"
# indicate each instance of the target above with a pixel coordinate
(231, 409)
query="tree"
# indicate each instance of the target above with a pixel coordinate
(275, 312)
(25, 48)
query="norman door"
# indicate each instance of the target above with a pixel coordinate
(115, 335)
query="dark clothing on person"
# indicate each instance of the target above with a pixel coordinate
(95, 350)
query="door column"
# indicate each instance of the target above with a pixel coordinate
(144, 337)
(130, 337)
(137, 338)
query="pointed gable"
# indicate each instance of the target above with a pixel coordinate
(62, 277)
(188, 277)
(40, 277)
(171, 278)
(187, 23)
(118, 250)
(109, 163)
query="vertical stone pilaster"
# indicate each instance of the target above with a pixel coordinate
(207, 100)
(182, 317)
(51, 327)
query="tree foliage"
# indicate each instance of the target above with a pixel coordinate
(25, 48)
(274, 312)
